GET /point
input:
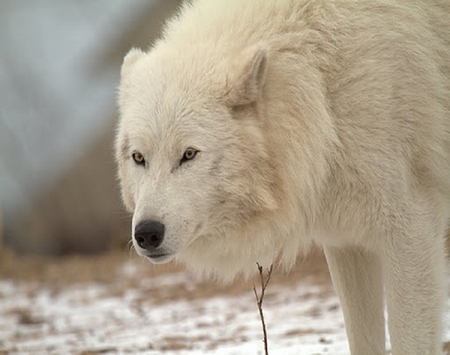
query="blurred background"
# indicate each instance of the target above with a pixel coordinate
(59, 70)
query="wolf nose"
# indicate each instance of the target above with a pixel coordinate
(149, 234)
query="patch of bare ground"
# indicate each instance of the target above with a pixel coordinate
(447, 348)
(107, 350)
(60, 272)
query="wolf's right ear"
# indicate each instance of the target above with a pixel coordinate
(247, 76)
(130, 59)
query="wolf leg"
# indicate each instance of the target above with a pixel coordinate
(357, 278)
(415, 288)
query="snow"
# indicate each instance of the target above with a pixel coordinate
(123, 318)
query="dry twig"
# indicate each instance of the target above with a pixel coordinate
(259, 301)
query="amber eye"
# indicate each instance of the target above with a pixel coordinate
(138, 158)
(189, 154)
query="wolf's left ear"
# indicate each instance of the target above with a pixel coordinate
(130, 59)
(247, 76)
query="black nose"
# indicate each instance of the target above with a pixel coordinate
(149, 234)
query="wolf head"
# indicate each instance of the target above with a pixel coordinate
(193, 162)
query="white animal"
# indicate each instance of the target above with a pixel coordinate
(254, 128)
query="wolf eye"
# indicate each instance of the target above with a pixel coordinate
(138, 158)
(189, 154)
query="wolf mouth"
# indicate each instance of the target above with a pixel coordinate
(160, 258)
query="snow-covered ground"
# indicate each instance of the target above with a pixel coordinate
(168, 314)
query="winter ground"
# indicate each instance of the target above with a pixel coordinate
(120, 304)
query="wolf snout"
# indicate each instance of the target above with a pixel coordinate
(149, 235)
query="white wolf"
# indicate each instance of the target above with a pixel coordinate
(254, 128)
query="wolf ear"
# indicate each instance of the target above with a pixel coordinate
(130, 59)
(247, 77)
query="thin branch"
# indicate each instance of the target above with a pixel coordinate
(259, 301)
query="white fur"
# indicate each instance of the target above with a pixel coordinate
(315, 121)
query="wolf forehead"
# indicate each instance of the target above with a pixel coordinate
(179, 75)
(153, 92)
(201, 74)
(169, 132)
